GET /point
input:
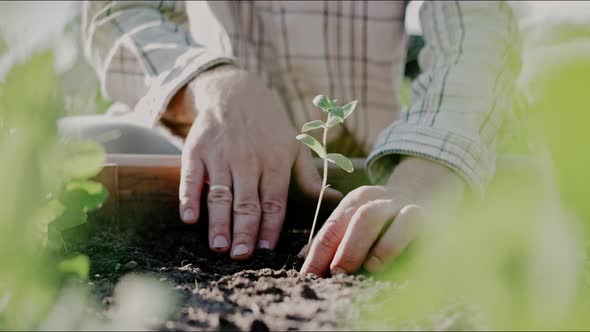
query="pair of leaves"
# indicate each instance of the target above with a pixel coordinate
(337, 115)
(335, 158)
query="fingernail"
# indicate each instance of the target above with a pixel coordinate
(220, 242)
(188, 215)
(373, 264)
(240, 250)
(302, 253)
(336, 271)
(263, 244)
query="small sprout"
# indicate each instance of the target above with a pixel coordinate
(336, 115)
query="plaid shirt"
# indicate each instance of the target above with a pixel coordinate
(144, 52)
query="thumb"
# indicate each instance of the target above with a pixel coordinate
(309, 180)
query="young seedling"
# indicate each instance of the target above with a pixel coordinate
(335, 115)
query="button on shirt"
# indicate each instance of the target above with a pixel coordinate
(145, 51)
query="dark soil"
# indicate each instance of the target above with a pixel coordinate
(264, 293)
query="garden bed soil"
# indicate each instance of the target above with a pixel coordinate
(217, 293)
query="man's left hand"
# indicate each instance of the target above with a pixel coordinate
(373, 224)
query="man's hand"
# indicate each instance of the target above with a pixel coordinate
(242, 144)
(373, 224)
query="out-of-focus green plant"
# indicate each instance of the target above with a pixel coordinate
(44, 190)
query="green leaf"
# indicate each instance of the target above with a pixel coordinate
(337, 112)
(322, 102)
(313, 144)
(83, 159)
(312, 125)
(341, 113)
(87, 194)
(349, 108)
(78, 265)
(79, 198)
(341, 161)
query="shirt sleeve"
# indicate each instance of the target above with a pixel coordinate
(459, 102)
(143, 53)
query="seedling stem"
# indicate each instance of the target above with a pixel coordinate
(336, 115)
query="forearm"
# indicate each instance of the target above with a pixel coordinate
(462, 98)
(142, 56)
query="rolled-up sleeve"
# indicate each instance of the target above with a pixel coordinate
(143, 53)
(460, 101)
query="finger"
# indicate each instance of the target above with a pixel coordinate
(402, 231)
(219, 203)
(274, 186)
(246, 210)
(365, 227)
(191, 186)
(303, 251)
(326, 243)
(309, 180)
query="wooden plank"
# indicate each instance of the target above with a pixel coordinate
(148, 184)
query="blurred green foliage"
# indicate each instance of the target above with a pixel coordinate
(44, 191)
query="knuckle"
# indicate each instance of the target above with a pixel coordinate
(413, 211)
(348, 263)
(249, 158)
(273, 206)
(220, 197)
(269, 229)
(348, 213)
(385, 250)
(276, 169)
(247, 208)
(363, 193)
(218, 226)
(189, 177)
(364, 212)
(246, 236)
(329, 237)
(373, 210)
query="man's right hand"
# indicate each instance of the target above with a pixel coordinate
(242, 143)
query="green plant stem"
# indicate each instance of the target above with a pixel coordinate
(324, 186)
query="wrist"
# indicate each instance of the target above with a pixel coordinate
(184, 94)
(426, 178)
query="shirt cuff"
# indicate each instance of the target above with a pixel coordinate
(162, 88)
(474, 164)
